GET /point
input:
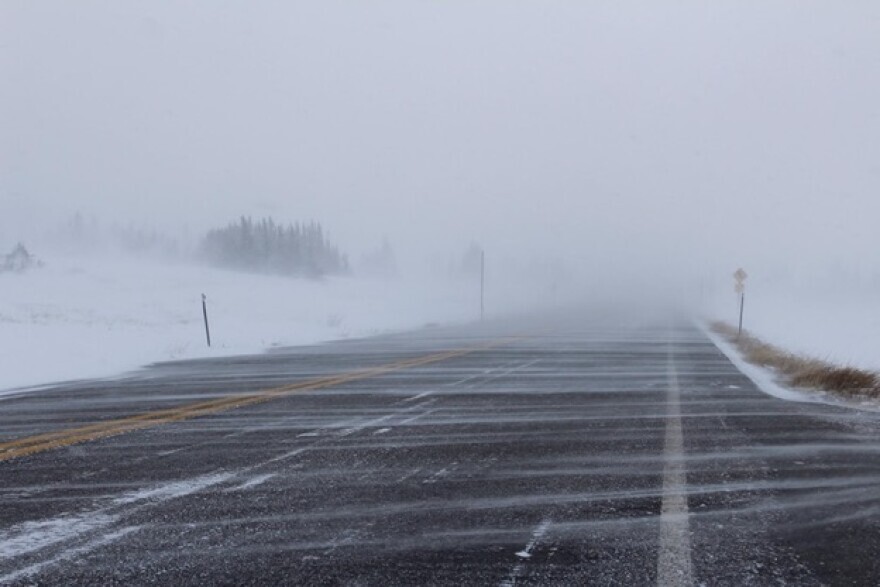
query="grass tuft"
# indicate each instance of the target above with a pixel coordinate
(801, 371)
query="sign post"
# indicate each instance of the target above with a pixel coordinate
(740, 288)
(205, 314)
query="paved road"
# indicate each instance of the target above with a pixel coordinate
(613, 451)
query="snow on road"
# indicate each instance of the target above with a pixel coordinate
(79, 318)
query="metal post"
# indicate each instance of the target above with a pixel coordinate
(742, 303)
(482, 284)
(205, 314)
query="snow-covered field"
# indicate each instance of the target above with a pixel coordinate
(84, 317)
(840, 325)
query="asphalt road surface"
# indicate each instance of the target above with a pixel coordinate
(604, 451)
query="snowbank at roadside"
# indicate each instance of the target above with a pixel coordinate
(841, 327)
(83, 318)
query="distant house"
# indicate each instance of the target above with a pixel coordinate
(19, 260)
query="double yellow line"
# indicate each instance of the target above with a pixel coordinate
(51, 440)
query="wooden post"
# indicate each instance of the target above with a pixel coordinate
(205, 314)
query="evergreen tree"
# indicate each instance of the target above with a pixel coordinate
(268, 247)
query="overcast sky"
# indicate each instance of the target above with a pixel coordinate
(689, 133)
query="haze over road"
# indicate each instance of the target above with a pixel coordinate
(623, 449)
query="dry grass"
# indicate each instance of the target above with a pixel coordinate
(802, 371)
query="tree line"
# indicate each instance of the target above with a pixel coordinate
(265, 246)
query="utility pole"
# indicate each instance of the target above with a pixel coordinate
(205, 314)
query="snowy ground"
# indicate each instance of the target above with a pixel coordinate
(83, 318)
(841, 326)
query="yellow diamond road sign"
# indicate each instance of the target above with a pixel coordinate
(740, 275)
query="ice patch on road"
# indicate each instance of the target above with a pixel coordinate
(33, 536)
(70, 533)
(68, 554)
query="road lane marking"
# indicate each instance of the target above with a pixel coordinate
(416, 397)
(526, 553)
(285, 456)
(409, 421)
(409, 474)
(674, 565)
(536, 537)
(488, 375)
(365, 424)
(436, 476)
(166, 453)
(62, 438)
(250, 483)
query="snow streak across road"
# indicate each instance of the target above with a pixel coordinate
(595, 451)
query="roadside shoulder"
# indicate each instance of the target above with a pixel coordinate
(778, 383)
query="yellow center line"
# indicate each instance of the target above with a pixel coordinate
(61, 438)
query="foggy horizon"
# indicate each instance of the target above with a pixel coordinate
(628, 137)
